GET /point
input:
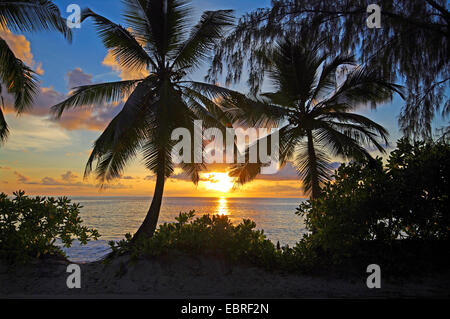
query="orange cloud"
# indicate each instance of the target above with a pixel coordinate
(125, 74)
(88, 118)
(21, 48)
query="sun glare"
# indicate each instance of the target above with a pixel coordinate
(222, 206)
(220, 182)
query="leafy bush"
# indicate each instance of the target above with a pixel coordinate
(30, 226)
(210, 235)
(371, 205)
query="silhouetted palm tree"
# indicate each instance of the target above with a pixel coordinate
(19, 79)
(157, 40)
(314, 111)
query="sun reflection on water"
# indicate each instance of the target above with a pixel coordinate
(222, 206)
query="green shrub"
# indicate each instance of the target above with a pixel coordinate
(210, 235)
(30, 226)
(368, 205)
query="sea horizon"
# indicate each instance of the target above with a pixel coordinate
(74, 197)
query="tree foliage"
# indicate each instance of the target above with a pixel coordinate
(314, 109)
(19, 79)
(210, 235)
(29, 227)
(159, 39)
(406, 199)
(411, 46)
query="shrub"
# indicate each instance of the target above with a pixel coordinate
(30, 226)
(210, 235)
(368, 205)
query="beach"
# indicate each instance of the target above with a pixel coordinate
(182, 276)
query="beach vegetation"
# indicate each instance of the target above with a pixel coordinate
(31, 226)
(209, 235)
(385, 212)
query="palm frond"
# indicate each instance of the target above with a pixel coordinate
(4, 131)
(352, 138)
(124, 135)
(206, 109)
(95, 94)
(203, 38)
(364, 86)
(360, 120)
(346, 144)
(193, 169)
(293, 69)
(312, 165)
(279, 98)
(19, 79)
(162, 23)
(255, 112)
(327, 80)
(32, 15)
(240, 108)
(171, 112)
(124, 46)
(246, 172)
(136, 17)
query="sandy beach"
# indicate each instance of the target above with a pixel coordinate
(182, 276)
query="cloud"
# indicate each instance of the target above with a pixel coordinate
(77, 154)
(49, 181)
(21, 178)
(286, 173)
(46, 97)
(289, 173)
(77, 78)
(88, 118)
(21, 48)
(35, 133)
(125, 74)
(69, 176)
(68, 180)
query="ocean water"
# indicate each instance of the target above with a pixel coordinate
(113, 217)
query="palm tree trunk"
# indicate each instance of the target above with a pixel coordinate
(148, 227)
(315, 188)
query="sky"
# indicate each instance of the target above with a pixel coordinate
(45, 157)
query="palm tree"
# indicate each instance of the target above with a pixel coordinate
(19, 79)
(314, 111)
(157, 40)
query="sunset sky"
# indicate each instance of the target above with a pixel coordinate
(46, 157)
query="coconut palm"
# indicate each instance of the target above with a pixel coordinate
(157, 40)
(314, 111)
(19, 79)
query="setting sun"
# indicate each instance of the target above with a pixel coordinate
(220, 182)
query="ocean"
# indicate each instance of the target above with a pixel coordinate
(113, 217)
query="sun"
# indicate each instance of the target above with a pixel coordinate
(220, 182)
